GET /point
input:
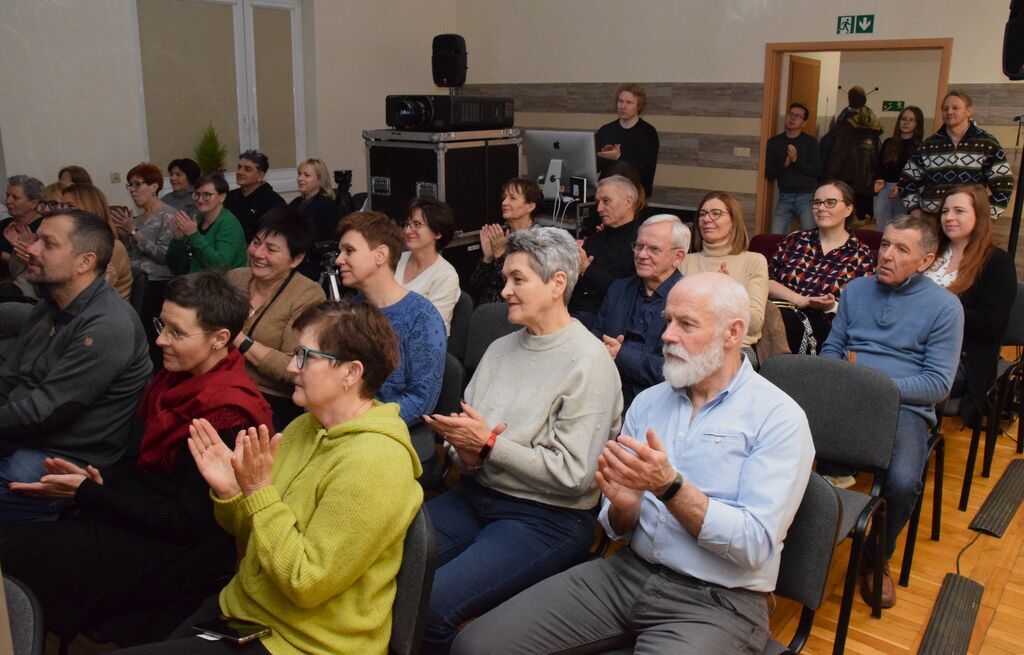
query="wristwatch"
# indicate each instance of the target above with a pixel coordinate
(245, 345)
(673, 488)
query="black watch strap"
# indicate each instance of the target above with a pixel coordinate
(245, 345)
(673, 488)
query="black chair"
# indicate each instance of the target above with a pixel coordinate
(423, 439)
(458, 336)
(140, 282)
(25, 615)
(414, 580)
(489, 322)
(852, 412)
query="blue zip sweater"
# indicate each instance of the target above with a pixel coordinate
(911, 333)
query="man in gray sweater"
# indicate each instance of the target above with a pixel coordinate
(72, 385)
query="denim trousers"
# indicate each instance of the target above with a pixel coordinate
(25, 465)
(491, 546)
(789, 206)
(887, 208)
(903, 483)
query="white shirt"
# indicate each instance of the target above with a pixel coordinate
(438, 283)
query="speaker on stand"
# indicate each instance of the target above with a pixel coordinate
(1013, 68)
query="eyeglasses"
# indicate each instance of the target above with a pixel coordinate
(302, 353)
(413, 225)
(796, 114)
(204, 195)
(131, 186)
(160, 328)
(51, 205)
(713, 214)
(654, 250)
(830, 203)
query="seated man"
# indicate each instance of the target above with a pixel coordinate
(630, 322)
(73, 382)
(370, 247)
(254, 196)
(904, 325)
(706, 489)
(606, 255)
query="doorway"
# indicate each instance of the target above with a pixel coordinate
(780, 60)
(804, 80)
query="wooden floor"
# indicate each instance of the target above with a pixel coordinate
(998, 564)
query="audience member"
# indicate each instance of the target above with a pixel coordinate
(632, 319)
(429, 228)
(370, 245)
(721, 243)
(146, 545)
(896, 150)
(853, 149)
(521, 199)
(183, 174)
(629, 138)
(148, 234)
(984, 278)
(540, 406)
(18, 289)
(91, 199)
(277, 297)
(253, 195)
(322, 511)
(959, 153)
(606, 255)
(793, 160)
(316, 202)
(809, 269)
(706, 515)
(902, 324)
(22, 202)
(73, 175)
(70, 387)
(213, 238)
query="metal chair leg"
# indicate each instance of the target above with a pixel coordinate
(940, 466)
(972, 459)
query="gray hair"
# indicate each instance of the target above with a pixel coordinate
(924, 225)
(727, 299)
(680, 231)
(625, 186)
(550, 250)
(32, 187)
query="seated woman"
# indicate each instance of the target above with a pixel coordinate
(538, 410)
(721, 245)
(983, 276)
(421, 268)
(92, 199)
(183, 174)
(213, 238)
(521, 199)
(322, 511)
(277, 296)
(370, 245)
(22, 203)
(147, 543)
(810, 268)
(148, 234)
(316, 202)
(73, 175)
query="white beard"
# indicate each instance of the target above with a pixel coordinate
(696, 367)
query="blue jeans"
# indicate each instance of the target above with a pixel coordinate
(491, 546)
(887, 208)
(903, 481)
(25, 465)
(790, 206)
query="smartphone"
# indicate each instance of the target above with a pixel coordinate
(120, 209)
(236, 631)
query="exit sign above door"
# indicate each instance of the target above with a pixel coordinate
(862, 24)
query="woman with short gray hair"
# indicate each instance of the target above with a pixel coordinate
(22, 201)
(540, 407)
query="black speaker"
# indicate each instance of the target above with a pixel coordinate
(1013, 42)
(448, 62)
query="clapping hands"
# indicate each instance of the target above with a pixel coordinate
(245, 470)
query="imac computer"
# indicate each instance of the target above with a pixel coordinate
(554, 157)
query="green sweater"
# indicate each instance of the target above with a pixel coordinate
(323, 543)
(221, 248)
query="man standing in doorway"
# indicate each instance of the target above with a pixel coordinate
(792, 158)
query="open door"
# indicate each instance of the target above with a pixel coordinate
(804, 78)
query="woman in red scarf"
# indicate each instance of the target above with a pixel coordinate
(146, 549)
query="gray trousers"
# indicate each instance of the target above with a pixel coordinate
(607, 603)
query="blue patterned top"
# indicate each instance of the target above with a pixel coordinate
(416, 384)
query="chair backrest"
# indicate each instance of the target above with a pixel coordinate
(414, 580)
(451, 386)
(810, 542)
(459, 334)
(765, 244)
(870, 238)
(489, 322)
(140, 280)
(26, 618)
(852, 410)
(1014, 335)
(773, 335)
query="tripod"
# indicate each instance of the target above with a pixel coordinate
(330, 274)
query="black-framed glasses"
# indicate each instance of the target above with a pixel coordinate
(131, 186)
(50, 205)
(413, 225)
(713, 214)
(302, 353)
(160, 328)
(796, 114)
(203, 195)
(830, 203)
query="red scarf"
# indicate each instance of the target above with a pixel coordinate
(225, 395)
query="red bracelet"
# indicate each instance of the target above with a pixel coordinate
(485, 452)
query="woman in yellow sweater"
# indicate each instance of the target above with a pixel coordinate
(321, 511)
(721, 244)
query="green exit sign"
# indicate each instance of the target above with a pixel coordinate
(861, 24)
(893, 105)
